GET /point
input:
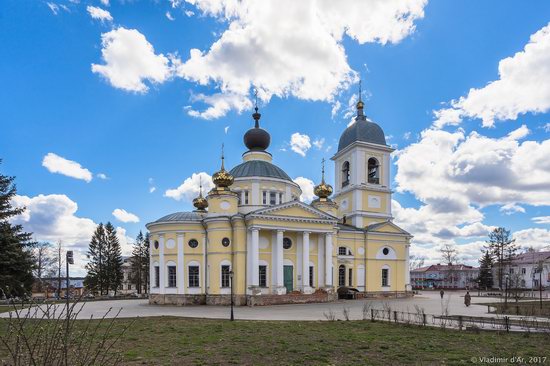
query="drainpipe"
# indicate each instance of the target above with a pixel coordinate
(365, 261)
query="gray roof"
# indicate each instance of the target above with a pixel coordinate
(259, 168)
(180, 216)
(362, 130)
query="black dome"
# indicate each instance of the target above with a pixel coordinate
(257, 139)
(362, 130)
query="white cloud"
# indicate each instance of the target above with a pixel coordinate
(124, 216)
(130, 60)
(307, 186)
(169, 16)
(541, 219)
(102, 176)
(300, 143)
(57, 164)
(226, 129)
(189, 189)
(100, 14)
(105, 2)
(249, 53)
(152, 187)
(55, 8)
(547, 127)
(219, 104)
(536, 238)
(335, 108)
(523, 87)
(189, 13)
(406, 135)
(511, 208)
(318, 143)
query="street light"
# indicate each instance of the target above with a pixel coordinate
(231, 282)
(506, 292)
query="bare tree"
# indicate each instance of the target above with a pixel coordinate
(450, 257)
(45, 261)
(416, 262)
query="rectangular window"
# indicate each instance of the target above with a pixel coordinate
(523, 271)
(264, 197)
(157, 276)
(511, 271)
(263, 276)
(225, 276)
(385, 278)
(272, 198)
(246, 197)
(280, 198)
(341, 276)
(171, 276)
(194, 276)
(350, 277)
(310, 276)
(342, 251)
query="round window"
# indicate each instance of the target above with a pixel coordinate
(287, 243)
(226, 242)
(193, 243)
(156, 244)
(386, 251)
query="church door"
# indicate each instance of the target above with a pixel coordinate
(288, 278)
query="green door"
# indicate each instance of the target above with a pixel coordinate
(288, 278)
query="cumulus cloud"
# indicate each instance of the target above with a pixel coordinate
(511, 208)
(169, 16)
(300, 143)
(547, 127)
(523, 87)
(57, 164)
(102, 176)
(190, 189)
(541, 219)
(539, 239)
(130, 60)
(56, 8)
(318, 143)
(307, 186)
(124, 216)
(249, 53)
(219, 105)
(104, 2)
(99, 14)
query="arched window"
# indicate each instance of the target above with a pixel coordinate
(342, 275)
(385, 276)
(345, 173)
(373, 171)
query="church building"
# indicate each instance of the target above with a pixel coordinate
(252, 235)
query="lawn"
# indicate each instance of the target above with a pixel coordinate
(171, 340)
(527, 308)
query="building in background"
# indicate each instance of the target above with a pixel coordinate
(528, 270)
(456, 276)
(48, 288)
(258, 234)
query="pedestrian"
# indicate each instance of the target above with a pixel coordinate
(441, 293)
(467, 299)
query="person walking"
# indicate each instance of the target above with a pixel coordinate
(441, 293)
(467, 299)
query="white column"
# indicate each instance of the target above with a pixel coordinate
(305, 263)
(162, 270)
(328, 259)
(181, 267)
(248, 259)
(320, 261)
(280, 263)
(255, 258)
(407, 271)
(151, 267)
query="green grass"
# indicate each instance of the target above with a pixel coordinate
(527, 308)
(172, 340)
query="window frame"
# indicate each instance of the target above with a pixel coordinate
(346, 173)
(246, 197)
(311, 276)
(373, 174)
(225, 277)
(385, 277)
(172, 274)
(350, 277)
(157, 276)
(194, 279)
(262, 268)
(341, 275)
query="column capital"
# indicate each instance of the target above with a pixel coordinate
(254, 228)
(280, 231)
(306, 232)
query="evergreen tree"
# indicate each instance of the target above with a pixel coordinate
(502, 249)
(16, 261)
(96, 279)
(137, 262)
(145, 263)
(114, 262)
(486, 270)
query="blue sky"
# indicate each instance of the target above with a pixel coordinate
(138, 116)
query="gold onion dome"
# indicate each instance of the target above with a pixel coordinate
(323, 190)
(200, 202)
(222, 178)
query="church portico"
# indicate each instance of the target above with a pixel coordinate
(252, 237)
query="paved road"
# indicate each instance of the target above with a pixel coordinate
(428, 300)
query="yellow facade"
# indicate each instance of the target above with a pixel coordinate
(256, 235)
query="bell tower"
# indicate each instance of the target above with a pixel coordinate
(362, 172)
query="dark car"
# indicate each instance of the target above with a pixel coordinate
(347, 293)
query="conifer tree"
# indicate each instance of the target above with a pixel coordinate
(502, 249)
(96, 279)
(145, 263)
(113, 259)
(486, 270)
(137, 262)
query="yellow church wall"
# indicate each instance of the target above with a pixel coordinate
(295, 212)
(215, 202)
(383, 197)
(350, 206)
(374, 275)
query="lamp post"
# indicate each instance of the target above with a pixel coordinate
(69, 259)
(506, 292)
(231, 283)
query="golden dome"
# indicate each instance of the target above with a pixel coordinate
(222, 178)
(200, 202)
(323, 190)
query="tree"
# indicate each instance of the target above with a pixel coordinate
(140, 262)
(416, 262)
(486, 271)
(146, 260)
(449, 254)
(96, 278)
(15, 245)
(502, 249)
(44, 262)
(113, 259)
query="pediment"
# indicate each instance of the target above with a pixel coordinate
(295, 209)
(386, 227)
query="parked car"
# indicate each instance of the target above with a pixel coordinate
(347, 293)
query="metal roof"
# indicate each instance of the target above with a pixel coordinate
(363, 130)
(180, 216)
(259, 168)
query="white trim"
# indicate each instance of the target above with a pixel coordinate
(224, 290)
(390, 256)
(194, 290)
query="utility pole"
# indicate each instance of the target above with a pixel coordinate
(69, 260)
(231, 279)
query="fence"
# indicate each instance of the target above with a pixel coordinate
(461, 322)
